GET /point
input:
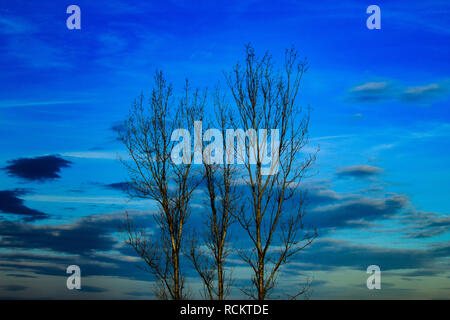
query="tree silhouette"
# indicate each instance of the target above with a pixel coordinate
(210, 250)
(266, 202)
(265, 99)
(147, 137)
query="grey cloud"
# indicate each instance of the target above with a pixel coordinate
(421, 224)
(351, 213)
(422, 273)
(359, 171)
(338, 253)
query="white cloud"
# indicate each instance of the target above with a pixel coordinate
(371, 86)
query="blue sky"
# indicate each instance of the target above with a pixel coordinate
(380, 100)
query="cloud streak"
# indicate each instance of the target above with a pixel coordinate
(373, 92)
(10, 203)
(84, 236)
(328, 253)
(355, 212)
(359, 171)
(11, 104)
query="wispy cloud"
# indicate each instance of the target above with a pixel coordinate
(342, 136)
(382, 91)
(371, 92)
(422, 93)
(371, 87)
(107, 155)
(10, 104)
(23, 42)
(421, 224)
(37, 53)
(14, 26)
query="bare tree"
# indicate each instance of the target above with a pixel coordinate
(209, 257)
(266, 99)
(153, 175)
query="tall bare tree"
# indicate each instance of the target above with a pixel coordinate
(209, 253)
(153, 175)
(267, 99)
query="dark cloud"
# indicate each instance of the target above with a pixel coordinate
(428, 232)
(421, 224)
(354, 212)
(18, 275)
(329, 209)
(338, 253)
(121, 186)
(359, 171)
(13, 287)
(118, 126)
(92, 289)
(10, 203)
(93, 265)
(139, 294)
(84, 236)
(118, 129)
(38, 168)
(422, 273)
(75, 239)
(90, 242)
